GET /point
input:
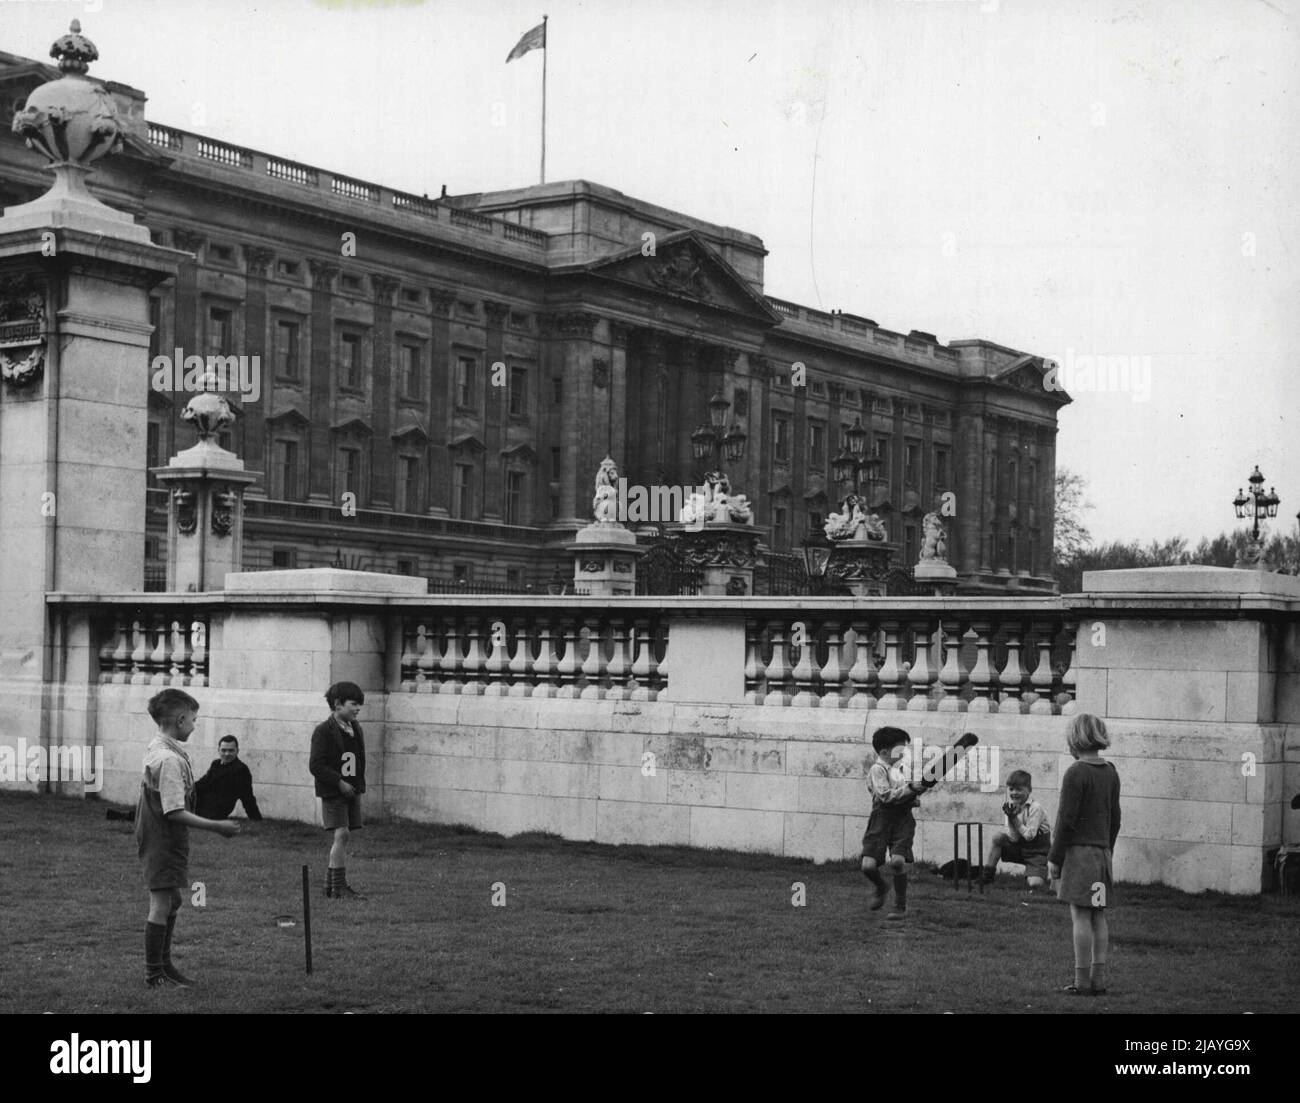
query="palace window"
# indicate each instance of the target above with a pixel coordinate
(780, 526)
(781, 439)
(348, 472)
(284, 482)
(462, 491)
(880, 448)
(284, 559)
(221, 331)
(911, 463)
(518, 392)
(408, 484)
(465, 391)
(410, 368)
(816, 445)
(941, 469)
(514, 498)
(286, 349)
(350, 360)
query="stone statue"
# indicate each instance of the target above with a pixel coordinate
(604, 506)
(935, 542)
(853, 522)
(716, 504)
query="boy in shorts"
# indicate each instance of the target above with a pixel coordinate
(338, 763)
(1027, 838)
(162, 822)
(892, 825)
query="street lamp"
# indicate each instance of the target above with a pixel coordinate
(716, 437)
(816, 553)
(1258, 506)
(851, 463)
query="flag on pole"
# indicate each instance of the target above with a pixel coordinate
(532, 40)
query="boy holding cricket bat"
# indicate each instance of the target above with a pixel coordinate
(891, 826)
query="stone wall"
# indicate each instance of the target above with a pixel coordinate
(734, 776)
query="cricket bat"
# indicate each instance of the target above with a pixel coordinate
(948, 762)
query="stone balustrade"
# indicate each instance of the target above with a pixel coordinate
(978, 661)
(500, 653)
(157, 645)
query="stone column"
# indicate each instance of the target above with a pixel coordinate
(692, 410)
(381, 401)
(619, 389)
(760, 439)
(259, 344)
(654, 428)
(1046, 500)
(494, 410)
(321, 386)
(995, 520)
(441, 402)
(569, 340)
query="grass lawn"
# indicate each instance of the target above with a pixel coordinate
(586, 928)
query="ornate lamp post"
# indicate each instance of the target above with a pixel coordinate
(716, 439)
(853, 462)
(1257, 506)
(716, 529)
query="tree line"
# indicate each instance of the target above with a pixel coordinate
(1074, 551)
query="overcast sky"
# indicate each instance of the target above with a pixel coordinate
(1073, 179)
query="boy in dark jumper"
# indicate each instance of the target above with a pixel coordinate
(338, 763)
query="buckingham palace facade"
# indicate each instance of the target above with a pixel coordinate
(457, 367)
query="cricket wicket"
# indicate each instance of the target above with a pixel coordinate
(973, 865)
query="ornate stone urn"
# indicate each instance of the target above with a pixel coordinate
(73, 122)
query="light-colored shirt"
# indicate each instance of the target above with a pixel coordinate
(1030, 821)
(167, 771)
(889, 784)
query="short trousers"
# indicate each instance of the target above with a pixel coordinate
(1032, 857)
(164, 847)
(341, 812)
(889, 827)
(1086, 877)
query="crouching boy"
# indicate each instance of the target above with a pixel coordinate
(1027, 838)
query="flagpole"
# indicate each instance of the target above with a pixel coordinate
(544, 52)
